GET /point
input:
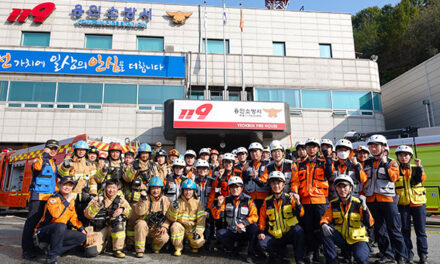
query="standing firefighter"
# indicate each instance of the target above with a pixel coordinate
(143, 167)
(412, 201)
(108, 213)
(174, 181)
(152, 224)
(161, 163)
(112, 168)
(278, 224)
(44, 171)
(83, 173)
(240, 215)
(349, 216)
(188, 217)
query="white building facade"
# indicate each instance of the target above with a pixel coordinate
(106, 68)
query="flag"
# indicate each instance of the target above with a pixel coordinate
(206, 19)
(241, 20)
(224, 14)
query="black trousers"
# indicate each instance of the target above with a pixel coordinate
(36, 210)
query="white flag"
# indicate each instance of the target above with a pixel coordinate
(224, 13)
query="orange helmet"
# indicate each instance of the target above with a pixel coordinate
(214, 151)
(103, 155)
(174, 152)
(115, 146)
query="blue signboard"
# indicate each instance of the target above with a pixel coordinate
(52, 62)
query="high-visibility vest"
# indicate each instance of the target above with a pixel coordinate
(349, 224)
(280, 221)
(409, 190)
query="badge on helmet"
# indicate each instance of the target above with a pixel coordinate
(235, 180)
(81, 145)
(189, 184)
(144, 147)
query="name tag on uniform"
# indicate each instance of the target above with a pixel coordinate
(244, 211)
(381, 170)
(288, 174)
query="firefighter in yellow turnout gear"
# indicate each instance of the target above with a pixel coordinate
(349, 216)
(152, 223)
(107, 214)
(188, 217)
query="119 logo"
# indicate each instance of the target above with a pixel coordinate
(40, 13)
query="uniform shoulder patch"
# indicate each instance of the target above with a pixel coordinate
(52, 200)
(394, 163)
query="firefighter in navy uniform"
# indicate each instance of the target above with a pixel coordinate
(173, 182)
(152, 224)
(412, 201)
(129, 156)
(278, 223)
(52, 228)
(382, 173)
(344, 223)
(92, 155)
(83, 173)
(240, 215)
(44, 171)
(108, 213)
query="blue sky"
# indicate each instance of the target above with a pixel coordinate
(339, 6)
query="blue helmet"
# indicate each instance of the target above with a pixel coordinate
(189, 184)
(144, 147)
(81, 145)
(155, 182)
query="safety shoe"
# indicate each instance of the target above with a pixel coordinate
(401, 260)
(29, 255)
(385, 260)
(119, 254)
(52, 260)
(178, 252)
(194, 250)
(139, 254)
(423, 259)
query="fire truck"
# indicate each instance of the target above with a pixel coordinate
(16, 168)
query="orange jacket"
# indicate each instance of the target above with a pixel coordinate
(263, 179)
(294, 181)
(221, 184)
(252, 216)
(393, 172)
(59, 210)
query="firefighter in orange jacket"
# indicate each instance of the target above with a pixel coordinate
(240, 215)
(344, 223)
(278, 224)
(44, 171)
(313, 175)
(412, 201)
(52, 228)
(382, 173)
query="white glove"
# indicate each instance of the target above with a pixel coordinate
(363, 201)
(327, 230)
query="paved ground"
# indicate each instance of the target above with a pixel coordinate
(10, 249)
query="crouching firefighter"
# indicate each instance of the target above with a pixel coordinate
(108, 213)
(152, 223)
(188, 217)
(83, 173)
(278, 223)
(52, 228)
(240, 215)
(349, 216)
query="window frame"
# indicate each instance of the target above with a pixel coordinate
(96, 35)
(284, 48)
(220, 40)
(35, 33)
(329, 45)
(150, 37)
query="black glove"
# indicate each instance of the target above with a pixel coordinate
(175, 204)
(325, 153)
(66, 163)
(196, 236)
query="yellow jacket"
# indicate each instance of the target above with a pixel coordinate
(83, 172)
(190, 214)
(94, 206)
(142, 208)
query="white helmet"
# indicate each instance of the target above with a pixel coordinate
(300, 144)
(255, 145)
(377, 139)
(234, 152)
(277, 175)
(228, 156)
(404, 149)
(344, 143)
(266, 149)
(179, 162)
(312, 141)
(242, 150)
(235, 180)
(344, 177)
(202, 163)
(326, 141)
(276, 144)
(190, 152)
(364, 148)
(204, 151)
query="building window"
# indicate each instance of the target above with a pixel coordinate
(196, 95)
(32, 91)
(158, 94)
(40, 39)
(234, 96)
(120, 93)
(377, 102)
(150, 43)
(352, 100)
(216, 95)
(79, 93)
(216, 46)
(279, 48)
(325, 51)
(3, 90)
(98, 41)
(289, 96)
(316, 99)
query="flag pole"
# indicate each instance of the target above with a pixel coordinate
(225, 97)
(242, 60)
(206, 56)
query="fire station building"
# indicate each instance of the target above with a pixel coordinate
(137, 70)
